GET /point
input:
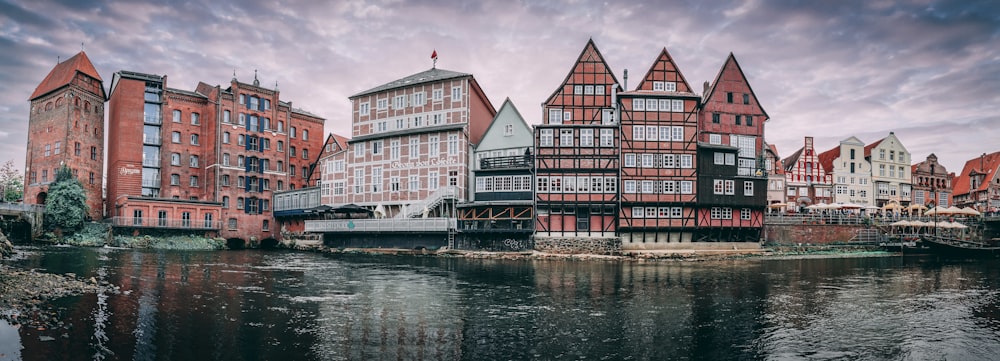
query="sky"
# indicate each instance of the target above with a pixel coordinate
(927, 71)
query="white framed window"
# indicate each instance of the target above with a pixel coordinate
(399, 102)
(658, 86)
(676, 212)
(588, 89)
(610, 184)
(607, 116)
(651, 105)
(669, 161)
(677, 134)
(545, 138)
(647, 161)
(508, 130)
(359, 150)
(578, 89)
(630, 186)
(437, 94)
(452, 144)
(676, 105)
(748, 188)
(665, 133)
(419, 98)
(566, 137)
(651, 133)
(714, 139)
(647, 186)
(638, 133)
(730, 159)
(718, 187)
(663, 212)
(716, 212)
(599, 89)
(364, 109)
(542, 184)
(730, 187)
(638, 104)
(629, 159)
(377, 147)
(669, 187)
(638, 212)
(720, 158)
(456, 93)
(393, 149)
(607, 138)
(567, 116)
(745, 214)
(586, 137)
(555, 116)
(687, 161)
(382, 104)
(687, 187)
(670, 86)
(650, 212)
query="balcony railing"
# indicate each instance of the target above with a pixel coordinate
(515, 161)
(383, 225)
(304, 198)
(165, 223)
(153, 119)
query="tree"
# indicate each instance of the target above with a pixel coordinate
(66, 203)
(11, 182)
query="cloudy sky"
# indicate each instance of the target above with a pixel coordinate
(928, 71)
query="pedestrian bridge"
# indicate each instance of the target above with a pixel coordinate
(382, 225)
(32, 214)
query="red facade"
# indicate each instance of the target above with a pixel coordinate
(66, 127)
(577, 153)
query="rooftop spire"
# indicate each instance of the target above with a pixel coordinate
(255, 81)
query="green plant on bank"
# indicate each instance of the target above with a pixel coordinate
(66, 203)
(11, 182)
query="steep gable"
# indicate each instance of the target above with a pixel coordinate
(664, 69)
(986, 165)
(494, 138)
(732, 73)
(590, 71)
(826, 158)
(63, 73)
(868, 148)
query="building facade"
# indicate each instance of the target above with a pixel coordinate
(851, 172)
(66, 127)
(499, 215)
(806, 182)
(659, 127)
(409, 145)
(210, 157)
(931, 183)
(776, 199)
(891, 168)
(577, 154)
(732, 183)
(978, 185)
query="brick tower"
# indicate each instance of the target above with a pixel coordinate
(66, 126)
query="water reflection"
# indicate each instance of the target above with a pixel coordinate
(249, 305)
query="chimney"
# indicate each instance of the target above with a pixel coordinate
(705, 89)
(626, 80)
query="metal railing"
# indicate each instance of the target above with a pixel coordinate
(383, 225)
(514, 161)
(148, 222)
(432, 200)
(304, 198)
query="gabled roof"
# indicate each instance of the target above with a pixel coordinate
(826, 158)
(63, 73)
(731, 61)
(778, 167)
(590, 54)
(338, 144)
(986, 165)
(427, 76)
(664, 69)
(506, 107)
(868, 148)
(789, 163)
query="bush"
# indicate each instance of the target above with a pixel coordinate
(66, 203)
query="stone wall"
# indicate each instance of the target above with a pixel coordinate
(6, 248)
(810, 233)
(573, 245)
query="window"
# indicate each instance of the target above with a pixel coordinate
(630, 186)
(434, 146)
(607, 138)
(225, 180)
(305, 154)
(658, 86)
(718, 187)
(76, 149)
(715, 139)
(291, 152)
(419, 99)
(194, 181)
(578, 89)
(58, 147)
(729, 97)
(193, 161)
(566, 138)
(677, 134)
(638, 104)
(364, 109)
(291, 132)
(195, 119)
(175, 179)
(638, 212)
(452, 144)
(651, 105)
(745, 214)
(638, 133)
(456, 93)
(545, 138)
(175, 137)
(730, 187)
(586, 137)
(749, 120)
(175, 159)
(738, 118)
(305, 134)
(720, 158)
(746, 99)
(748, 188)
(194, 139)
(647, 161)
(630, 160)
(414, 147)
(177, 116)
(555, 116)
(508, 130)
(437, 94)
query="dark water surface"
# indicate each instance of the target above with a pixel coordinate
(257, 305)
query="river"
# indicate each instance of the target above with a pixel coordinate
(278, 305)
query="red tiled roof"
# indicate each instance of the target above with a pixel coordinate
(826, 158)
(63, 73)
(987, 165)
(868, 148)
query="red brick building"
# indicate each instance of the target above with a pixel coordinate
(66, 127)
(577, 154)
(207, 159)
(931, 183)
(978, 185)
(806, 181)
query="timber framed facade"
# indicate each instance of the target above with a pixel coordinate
(577, 154)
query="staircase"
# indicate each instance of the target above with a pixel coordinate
(867, 236)
(433, 200)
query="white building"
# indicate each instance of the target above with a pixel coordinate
(891, 171)
(852, 173)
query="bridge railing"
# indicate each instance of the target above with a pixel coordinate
(382, 225)
(148, 222)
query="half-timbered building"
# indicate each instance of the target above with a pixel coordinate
(931, 183)
(577, 155)
(659, 127)
(806, 182)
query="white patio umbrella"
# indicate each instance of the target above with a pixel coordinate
(971, 212)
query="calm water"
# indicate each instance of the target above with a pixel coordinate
(255, 305)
